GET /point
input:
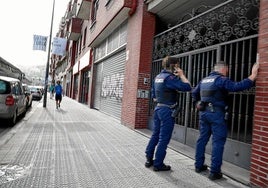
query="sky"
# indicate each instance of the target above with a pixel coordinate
(20, 20)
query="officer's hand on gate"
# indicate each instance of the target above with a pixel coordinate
(255, 68)
(254, 72)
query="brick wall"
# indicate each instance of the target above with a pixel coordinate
(141, 27)
(259, 158)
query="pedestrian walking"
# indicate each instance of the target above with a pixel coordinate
(58, 96)
(164, 91)
(51, 91)
(212, 93)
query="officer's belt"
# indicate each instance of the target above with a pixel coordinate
(211, 107)
(166, 105)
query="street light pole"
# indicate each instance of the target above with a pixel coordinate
(48, 56)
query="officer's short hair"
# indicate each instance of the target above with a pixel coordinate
(167, 61)
(219, 65)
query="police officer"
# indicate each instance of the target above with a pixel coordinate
(164, 90)
(213, 91)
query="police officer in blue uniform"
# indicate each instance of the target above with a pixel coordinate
(164, 91)
(212, 93)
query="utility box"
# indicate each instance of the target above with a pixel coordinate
(143, 93)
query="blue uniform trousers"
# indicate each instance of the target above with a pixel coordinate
(162, 132)
(211, 123)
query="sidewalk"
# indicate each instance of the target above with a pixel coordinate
(76, 146)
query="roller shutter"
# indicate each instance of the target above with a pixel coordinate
(109, 83)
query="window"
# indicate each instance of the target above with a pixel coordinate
(114, 41)
(80, 44)
(107, 2)
(4, 89)
(94, 10)
(70, 55)
(15, 89)
(85, 37)
(76, 49)
(20, 90)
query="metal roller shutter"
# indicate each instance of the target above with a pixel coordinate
(97, 89)
(109, 84)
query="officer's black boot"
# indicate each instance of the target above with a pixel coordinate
(149, 162)
(162, 168)
(215, 176)
(201, 169)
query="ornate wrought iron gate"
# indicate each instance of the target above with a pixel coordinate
(227, 32)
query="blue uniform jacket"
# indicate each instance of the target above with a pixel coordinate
(170, 82)
(224, 84)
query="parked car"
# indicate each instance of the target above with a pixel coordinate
(28, 95)
(36, 93)
(12, 99)
(41, 88)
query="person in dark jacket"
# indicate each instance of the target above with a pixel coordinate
(164, 90)
(212, 94)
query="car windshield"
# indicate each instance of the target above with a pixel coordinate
(33, 89)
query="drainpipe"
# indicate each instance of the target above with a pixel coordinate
(133, 7)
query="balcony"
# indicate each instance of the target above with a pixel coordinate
(83, 9)
(75, 27)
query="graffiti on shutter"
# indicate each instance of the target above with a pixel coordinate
(112, 86)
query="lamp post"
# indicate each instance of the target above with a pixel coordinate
(48, 56)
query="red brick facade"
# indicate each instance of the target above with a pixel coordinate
(141, 27)
(259, 157)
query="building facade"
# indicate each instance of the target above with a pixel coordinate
(7, 69)
(115, 49)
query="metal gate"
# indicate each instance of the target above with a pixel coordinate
(227, 32)
(109, 84)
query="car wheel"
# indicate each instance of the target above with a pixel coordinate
(13, 120)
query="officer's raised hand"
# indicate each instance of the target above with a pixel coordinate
(254, 72)
(179, 72)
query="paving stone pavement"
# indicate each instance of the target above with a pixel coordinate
(78, 147)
